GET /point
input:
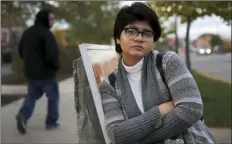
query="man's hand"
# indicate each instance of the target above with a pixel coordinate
(166, 107)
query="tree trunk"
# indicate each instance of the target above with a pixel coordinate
(11, 25)
(176, 35)
(187, 57)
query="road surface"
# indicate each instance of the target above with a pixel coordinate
(216, 65)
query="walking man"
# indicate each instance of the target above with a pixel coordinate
(40, 54)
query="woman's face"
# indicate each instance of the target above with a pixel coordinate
(136, 39)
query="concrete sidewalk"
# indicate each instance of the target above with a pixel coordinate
(223, 136)
(67, 133)
(36, 132)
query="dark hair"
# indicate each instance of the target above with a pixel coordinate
(136, 12)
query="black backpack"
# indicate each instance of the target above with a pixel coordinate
(159, 59)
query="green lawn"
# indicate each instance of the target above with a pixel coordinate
(216, 97)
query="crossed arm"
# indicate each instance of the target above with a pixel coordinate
(157, 123)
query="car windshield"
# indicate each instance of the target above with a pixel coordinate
(204, 47)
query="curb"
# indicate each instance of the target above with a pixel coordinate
(210, 76)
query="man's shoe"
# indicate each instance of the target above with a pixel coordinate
(21, 124)
(52, 126)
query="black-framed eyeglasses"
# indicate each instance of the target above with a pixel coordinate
(132, 32)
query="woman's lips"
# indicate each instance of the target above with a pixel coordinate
(137, 47)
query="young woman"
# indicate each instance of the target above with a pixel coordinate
(138, 107)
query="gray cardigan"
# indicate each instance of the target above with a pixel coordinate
(151, 126)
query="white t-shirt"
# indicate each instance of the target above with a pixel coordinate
(134, 76)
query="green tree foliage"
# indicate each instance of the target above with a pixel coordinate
(216, 40)
(89, 21)
(17, 12)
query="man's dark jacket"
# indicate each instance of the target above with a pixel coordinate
(39, 50)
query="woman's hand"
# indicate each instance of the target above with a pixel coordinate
(166, 107)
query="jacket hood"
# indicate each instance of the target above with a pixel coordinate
(42, 18)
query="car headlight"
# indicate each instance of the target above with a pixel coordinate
(201, 51)
(208, 51)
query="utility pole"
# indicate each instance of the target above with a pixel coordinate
(176, 34)
(187, 55)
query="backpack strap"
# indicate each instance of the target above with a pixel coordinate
(112, 79)
(159, 59)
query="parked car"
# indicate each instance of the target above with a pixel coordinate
(6, 56)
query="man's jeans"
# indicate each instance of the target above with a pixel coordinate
(36, 88)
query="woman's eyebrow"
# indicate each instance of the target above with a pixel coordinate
(144, 29)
